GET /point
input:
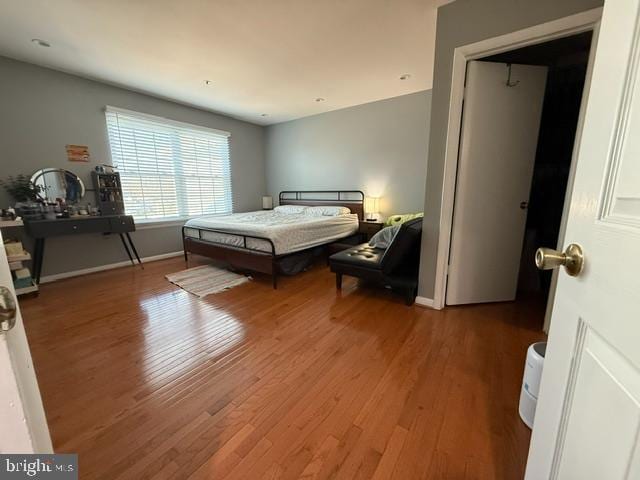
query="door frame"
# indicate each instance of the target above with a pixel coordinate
(23, 414)
(563, 27)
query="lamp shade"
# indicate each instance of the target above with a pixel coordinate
(371, 206)
(267, 202)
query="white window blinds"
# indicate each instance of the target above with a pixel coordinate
(169, 169)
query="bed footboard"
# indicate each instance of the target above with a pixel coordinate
(239, 257)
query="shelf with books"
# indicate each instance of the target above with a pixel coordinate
(16, 255)
(11, 223)
(25, 290)
(21, 257)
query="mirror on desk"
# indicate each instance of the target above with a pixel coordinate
(57, 183)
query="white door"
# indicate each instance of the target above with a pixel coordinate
(587, 424)
(23, 426)
(498, 143)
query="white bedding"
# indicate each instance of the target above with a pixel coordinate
(289, 232)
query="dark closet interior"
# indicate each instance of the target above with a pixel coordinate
(567, 60)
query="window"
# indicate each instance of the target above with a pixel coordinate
(169, 169)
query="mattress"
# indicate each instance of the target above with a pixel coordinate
(289, 232)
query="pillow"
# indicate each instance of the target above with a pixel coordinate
(326, 211)
(384, 237)
(290, 209)
(400, 219)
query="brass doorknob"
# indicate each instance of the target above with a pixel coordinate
(7, 310)
(572, 259)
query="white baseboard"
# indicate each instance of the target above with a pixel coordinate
(110, 266)
(424, 302)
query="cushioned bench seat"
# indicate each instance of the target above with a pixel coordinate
(396, 267)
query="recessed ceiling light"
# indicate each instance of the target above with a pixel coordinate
(208, 82)
(40, 43)
(405, 76)
(264, 114)
(319, 99)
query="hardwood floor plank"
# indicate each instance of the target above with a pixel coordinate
(246, 467)
(313, 468)
(391, 454)
(225, 459)
(144, 380)
(141, 460)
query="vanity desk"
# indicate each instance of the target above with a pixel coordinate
(59, 190)
(106, 224)
(57, 186)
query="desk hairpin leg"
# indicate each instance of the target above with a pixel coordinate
(38, 256)
(133, 247)
(126, 248)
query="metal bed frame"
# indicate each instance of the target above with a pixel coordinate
(245, 258)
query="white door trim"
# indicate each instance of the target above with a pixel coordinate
(563, 27)
(424, 302)
(572, 171)
(23, 425)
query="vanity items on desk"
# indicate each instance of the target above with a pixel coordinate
(56, 193)
(7, 215)
(60, 192)
(108, 191)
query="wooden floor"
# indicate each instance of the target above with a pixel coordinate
(144, 380)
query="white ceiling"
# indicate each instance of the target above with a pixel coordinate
(262, 56)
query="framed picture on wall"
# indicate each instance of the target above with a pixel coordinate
(77, 153)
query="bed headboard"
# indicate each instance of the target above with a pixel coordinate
(352, 199)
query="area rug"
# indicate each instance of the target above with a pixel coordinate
(205, 280)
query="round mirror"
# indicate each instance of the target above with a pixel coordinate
(57, 183)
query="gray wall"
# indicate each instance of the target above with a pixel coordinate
(43, 110)
(460, 23)
(379, 148)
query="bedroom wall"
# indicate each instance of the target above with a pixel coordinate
(379, 148)
(460, 23)
(42, 110)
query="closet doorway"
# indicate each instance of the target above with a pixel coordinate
(520, 117)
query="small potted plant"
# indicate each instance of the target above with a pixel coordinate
(25, 193)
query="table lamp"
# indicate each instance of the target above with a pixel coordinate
(371, 208)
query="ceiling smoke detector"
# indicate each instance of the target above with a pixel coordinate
(405, 76)
(40, 43)
(319, 99)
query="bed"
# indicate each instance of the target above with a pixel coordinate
(269, 241)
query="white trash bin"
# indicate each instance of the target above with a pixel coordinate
(531, 382)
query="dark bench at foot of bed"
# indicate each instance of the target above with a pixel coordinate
(396, 267)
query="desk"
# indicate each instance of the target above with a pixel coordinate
(106, 224)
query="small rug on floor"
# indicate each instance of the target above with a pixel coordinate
(205, 280)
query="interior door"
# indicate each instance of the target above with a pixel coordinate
(587, 423)
(499, 136)
(23, 426)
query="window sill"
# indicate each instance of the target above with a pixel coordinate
(161, 223)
